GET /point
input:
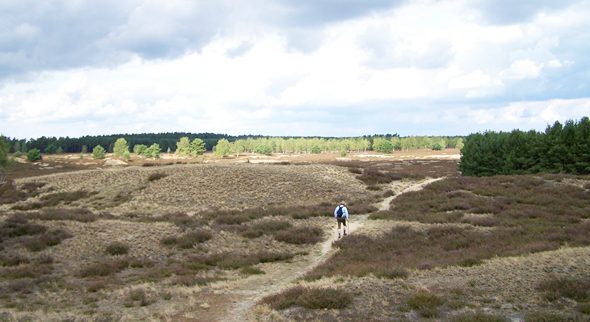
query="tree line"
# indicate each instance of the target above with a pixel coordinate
(167, 142)
(561, 148)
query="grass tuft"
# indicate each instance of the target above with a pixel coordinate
(554, 288)
(478, 317)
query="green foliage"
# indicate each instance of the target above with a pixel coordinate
(197, 147)
(84, 149)
(183, 146)
(3, 152)
(98, 152)
(263, 149)
(34, 155)
(59, 150)
(153, 151)
(51, 149)
(316, 149)
(120, 147)
(436, 147)
(139, 149)
(382, 145)
(559, 149)
(126, 155)
(223, 148)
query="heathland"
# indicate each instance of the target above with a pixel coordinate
(252, 238)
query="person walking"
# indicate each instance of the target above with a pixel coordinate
(341, 215)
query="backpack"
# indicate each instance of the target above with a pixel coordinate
(340, 212)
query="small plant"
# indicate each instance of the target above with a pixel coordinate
(117, 248)
(425, 303)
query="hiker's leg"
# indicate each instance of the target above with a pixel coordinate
(338, 227)
(345, 227)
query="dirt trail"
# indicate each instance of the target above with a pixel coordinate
(247, 292)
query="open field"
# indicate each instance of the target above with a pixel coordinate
(253, 238)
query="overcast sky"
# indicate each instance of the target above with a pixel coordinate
(290, 67)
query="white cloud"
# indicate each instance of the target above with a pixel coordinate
(437, 55)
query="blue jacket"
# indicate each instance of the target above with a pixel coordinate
(344, 212)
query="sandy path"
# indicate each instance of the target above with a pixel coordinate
(247, 292)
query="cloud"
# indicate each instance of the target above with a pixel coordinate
(287, 67)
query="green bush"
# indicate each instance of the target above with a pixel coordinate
(98, 152)
(34, 155)
(153, 151)
(139, 149)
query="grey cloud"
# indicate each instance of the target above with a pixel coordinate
(510, 11)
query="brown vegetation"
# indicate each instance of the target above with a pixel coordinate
(311, 298)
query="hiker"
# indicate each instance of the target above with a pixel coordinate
(341, 215)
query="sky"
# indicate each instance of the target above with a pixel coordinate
(291, 67)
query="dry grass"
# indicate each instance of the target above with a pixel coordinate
(188, 239)
(117, 248)
(478, 317)
(10, 194)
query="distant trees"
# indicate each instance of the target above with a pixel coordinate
(98, 152)
(561, 148)
(197, 147)
(223, 148)
(187, 148)
(120, 148)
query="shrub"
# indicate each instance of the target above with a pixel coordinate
(425, 303)
(266, 227)
(48, 239)
(73, 214)
(137, 297)
(392, 273)
(98, 152)
(300, 235)
(34, 155)
(547, 317)
(104, 268)
(157, 176)
(574, 288)
(19, 226)
(12, 259)
(251, 270)
(584, 308)
(311, 298)
(117, 248)
(189, 239)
